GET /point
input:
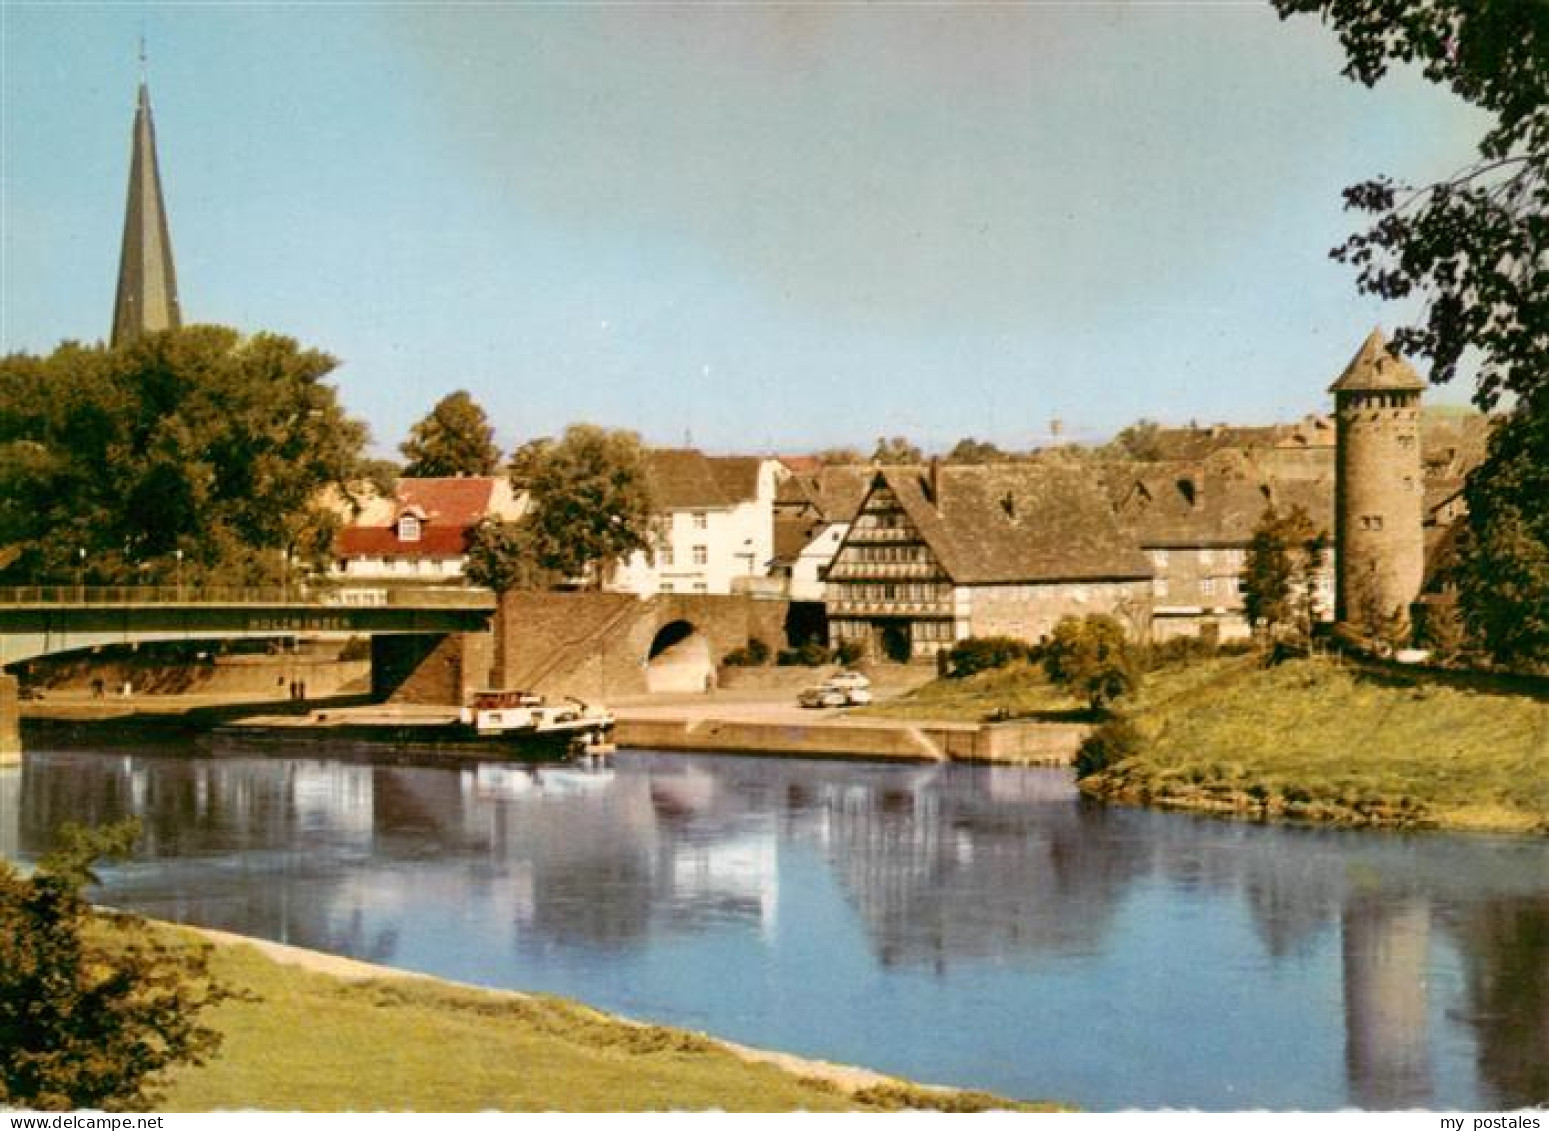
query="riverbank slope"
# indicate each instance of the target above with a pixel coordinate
(315, 1032)
(1318, 739)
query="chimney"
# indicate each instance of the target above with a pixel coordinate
(933, 481)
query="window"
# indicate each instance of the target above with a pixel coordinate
(408, 528)
(1159, 558)
(666, 587)
(1159, 587)
(701, 520)
(1207, 586)
(1207, 557)
(701, 555)
(1371, 522)
(664, 554)
(701, 587)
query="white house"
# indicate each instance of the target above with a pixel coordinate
(715, 518)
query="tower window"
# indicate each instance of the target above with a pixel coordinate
(1371, 522)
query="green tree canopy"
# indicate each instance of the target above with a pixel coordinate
(1091, 656)
(1138, 441)
(969, 450)
(455, 439)
(1280, 570)
(92, 1013)
(591, 502)
(896, 449)
(197, 440)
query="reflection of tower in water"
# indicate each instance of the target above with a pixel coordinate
(10, 812)
(1387, 1046)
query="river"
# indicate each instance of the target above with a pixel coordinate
(969, 925)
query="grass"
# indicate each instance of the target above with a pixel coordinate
(309, 1041)
(1020, 691)
(1314, 739)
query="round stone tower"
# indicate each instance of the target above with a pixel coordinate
(1379, 492)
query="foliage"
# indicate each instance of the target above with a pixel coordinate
(1092, 657)
(847, 653)
(810, 655)
(1140, 441)
(1473, 244)
(969, 450)
(1503, 572)
(754, 653)
(502, 556)
(1280, 570)
(839, 456)
(896, 449)
(456, 438)
(197, 441)
(526, 460)
(92, 1015)
(1109, 744)
(982, 653)
(591, 502)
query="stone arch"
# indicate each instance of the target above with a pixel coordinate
(679, 659)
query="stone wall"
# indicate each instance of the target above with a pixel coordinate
(599, 645)
(439, 670)
(1030, 612)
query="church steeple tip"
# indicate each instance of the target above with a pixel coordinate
(146, 301)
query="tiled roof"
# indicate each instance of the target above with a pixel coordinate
(460, 501)
(684, 479)
(448, 510)
(737, 476)
(1376, 368)
(1213, 502)
(433, 542)
(832, 493)
(1015, 523)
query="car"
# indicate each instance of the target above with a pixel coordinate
(856, 696)
(848, 680)
(823, 696)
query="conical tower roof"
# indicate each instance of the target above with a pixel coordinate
(147, 282)
(1376, 368)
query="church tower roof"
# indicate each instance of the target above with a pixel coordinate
(147, 282)
(1376, 368)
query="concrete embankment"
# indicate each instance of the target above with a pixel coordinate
(1012, 743)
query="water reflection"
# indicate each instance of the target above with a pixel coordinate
(933, 920)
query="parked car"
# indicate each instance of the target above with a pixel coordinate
(823, 696)
(856, 696)
(848, 680)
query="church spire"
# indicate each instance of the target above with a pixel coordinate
(147, 282)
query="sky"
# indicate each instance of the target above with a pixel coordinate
(751, 227)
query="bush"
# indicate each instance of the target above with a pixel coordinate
(1108, 745)
(809, 655)
(1093, 657)
(90, 1017)
(982, 653)
(751, 655)
(848, 653)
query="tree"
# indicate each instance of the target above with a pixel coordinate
(1141, 441)
(1473, 245)
(197, 441)
(503, 555)
(455, 439)
(591, 502)
(1091, 656)
(896, 450)
(526, 461)
(969, 450)
(1503, 569)
(92, 1010)
(1280, 573)
(838, 456)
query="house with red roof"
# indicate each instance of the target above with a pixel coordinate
(418, 535)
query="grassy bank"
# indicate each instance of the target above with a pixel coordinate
(1316, 740)
(311, 1040)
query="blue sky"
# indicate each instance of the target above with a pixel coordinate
(757, 226)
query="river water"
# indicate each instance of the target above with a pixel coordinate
(969, 925)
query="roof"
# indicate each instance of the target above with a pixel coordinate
(1377, 368)
(1213, 502)
(832, 493)
(448, 510)
(687, 479)
(1007, 523)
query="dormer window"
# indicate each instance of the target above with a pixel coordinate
(408, 528)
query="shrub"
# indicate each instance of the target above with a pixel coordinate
(982, 653)
(1108, 745)
(848, 653)
(751, 655)
(809, 655)
(91, 1015)
(1092, 656)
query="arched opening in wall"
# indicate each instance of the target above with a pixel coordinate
(893, 641)
(679, 659)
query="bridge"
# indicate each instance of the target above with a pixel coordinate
(45, 620)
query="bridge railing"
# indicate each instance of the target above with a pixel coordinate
(444, 596)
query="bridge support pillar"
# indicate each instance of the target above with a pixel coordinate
(10, 720)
